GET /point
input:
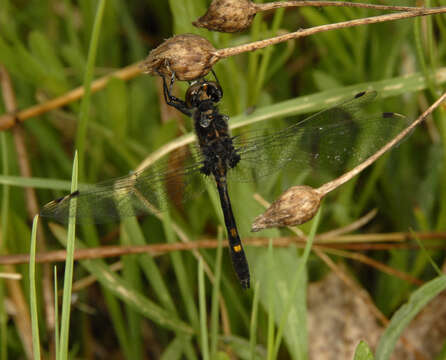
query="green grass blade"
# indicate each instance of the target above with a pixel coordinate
(119, 324)
(266, 56)
(426, 254)
(89, 71)
(181, 273)
(3, 324)
(216, 295)
(254, 316)
(69, 264)
(363, 352)
(271, 294)
(241, 349)
(131, 275)
(3, 234)
(38, 183)
(56, 313)
(401, 319)
(203, 316)
(184, 12)
(149, 266)
(314, 102)
(33, 292)
(174, 350)
(299, 341)
(121, 289)
(442, 354)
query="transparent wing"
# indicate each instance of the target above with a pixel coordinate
(330, 141)
(139, 193)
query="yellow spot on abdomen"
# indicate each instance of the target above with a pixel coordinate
(237, 248)
(233, 232)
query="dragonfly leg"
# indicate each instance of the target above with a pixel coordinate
(173, 100)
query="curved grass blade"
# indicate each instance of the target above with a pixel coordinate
(401, 319)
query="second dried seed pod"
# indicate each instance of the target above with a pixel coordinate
(227, 16)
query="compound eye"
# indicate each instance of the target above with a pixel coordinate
(215, 92)
(193, 96)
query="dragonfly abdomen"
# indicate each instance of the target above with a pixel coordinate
(238, 257)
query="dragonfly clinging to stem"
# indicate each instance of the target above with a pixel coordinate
(226, 158)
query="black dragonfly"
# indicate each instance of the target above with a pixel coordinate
(338, 137)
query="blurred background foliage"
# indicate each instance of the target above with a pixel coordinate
(44, 46)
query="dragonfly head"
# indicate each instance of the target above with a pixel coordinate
(203, 92)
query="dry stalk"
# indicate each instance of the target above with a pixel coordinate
(11, 276)
(374, 263)
(279, 4)
(330, 186)
(190, 57)
(12, 117)
(30, 194)
(320, 251)
(299, 204)
(362, 221)
(359, 291)
(237, 15)
(223, 53)
(367, 241)
(23, 318)
(364, 295)
(319, 240)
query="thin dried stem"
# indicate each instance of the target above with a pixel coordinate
(30, 194)
(32, 208)
(326, 188)
(364, 295)
(166, 149)
(11, 276)
(284, 4)
(350, 227)
(9, 120)
(21, 314)
(319, 251)
(223, 53)
(330, 234)
(376, 264)
(237, 15)
(359, 291)
(89, 280)
(380, 246)
(367, 241)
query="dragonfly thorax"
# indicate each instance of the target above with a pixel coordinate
(219, 156)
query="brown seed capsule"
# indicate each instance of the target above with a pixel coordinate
(294, 207)
(189, 56)
(228, 16)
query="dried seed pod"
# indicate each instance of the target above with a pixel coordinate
(294, 207)
(189, 56)
(227, 16)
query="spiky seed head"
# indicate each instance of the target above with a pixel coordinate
(189, 56)
(295, 206)
(227, 16)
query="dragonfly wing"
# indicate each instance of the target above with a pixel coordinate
(331, 141)
(143, 192)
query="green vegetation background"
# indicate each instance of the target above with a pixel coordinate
(44, 45)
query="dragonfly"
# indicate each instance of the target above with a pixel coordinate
(341, 135)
